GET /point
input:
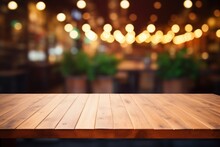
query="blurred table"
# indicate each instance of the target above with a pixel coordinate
(133, 69)
(110, 116)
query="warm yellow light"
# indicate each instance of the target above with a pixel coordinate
(175, 28)
(81, 4)
(192, 16)
(179, 39)
(91, 35)
(129, 28)
(171, 34)
(188, 36)
(205, 55)
(188, 28)
(198, 3)
(198, 33)
(188, 4)
(119, 36)
(107, 28)
(68, 27)
(151, 28)
(133, 17)
(12, 5)
(211, 22)
(86, 15)
(142, 37)
(113, 16)
(18, 26)
(105, 36)
(153, 18)
(61, 17)
(157, 5)
(111, 39)
(130, 37)
(218, 33)
(86, 27)
(74, 34)
(40, 5)
(205, 28)
(217, 13)
(124, 4)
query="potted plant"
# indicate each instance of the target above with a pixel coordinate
(103, 68)
(74, 68)
(177, 71)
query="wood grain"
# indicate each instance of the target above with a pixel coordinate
(88, 116)
(110, 116)
(104, 114)
(72, 115)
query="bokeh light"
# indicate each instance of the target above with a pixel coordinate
(61, 17)
(188, 4)
(40, 5)
(151, 28)
(68, 27)
(81, 4)
(124, 4)
(12, 5)
(175, 28)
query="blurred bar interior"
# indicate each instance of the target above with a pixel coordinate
(110, 46)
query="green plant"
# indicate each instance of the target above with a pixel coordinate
(74, 64)
(102, 64)
(180, 65)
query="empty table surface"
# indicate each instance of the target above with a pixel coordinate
(109, 116)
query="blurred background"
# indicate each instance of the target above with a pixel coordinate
(110, 46)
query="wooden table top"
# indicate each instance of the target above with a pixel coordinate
(109, 116)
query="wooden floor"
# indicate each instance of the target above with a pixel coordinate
(109, 116)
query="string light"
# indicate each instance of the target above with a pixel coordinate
(68, 27)
(188, 4)
(40, 5)
(205, 28)
(188, 28)
(74, 34)
(218, 33)
(198, 33)
(129, 28)
(61, 17)
(86, 27)
(157, 5)
(81, 4)
(175, 28)
(151, 28)
(107, 28)
(12, 5)
(124, 4)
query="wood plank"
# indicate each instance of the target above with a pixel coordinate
(35, 119)
(72, 115)
(136, 115)
(88, 116)
(104, 113)
(175, 112)
(200, 113)
(12, 101)
(154, 119)
(203, 101)
(120, 115)
(20, 117)
(55, 116)
(19, 107)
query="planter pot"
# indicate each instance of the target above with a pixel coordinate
(76, 84)
(102, 84)
(182, 85)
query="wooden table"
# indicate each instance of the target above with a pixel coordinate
(109, 116)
